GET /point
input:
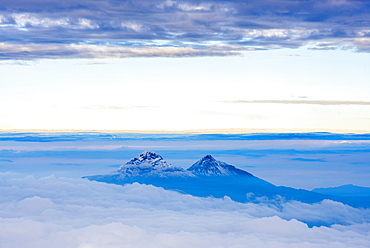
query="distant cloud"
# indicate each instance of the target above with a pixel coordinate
(116, 107)
(94, 63)
(289, 55)
(65, 164)
(33, 29)
(224, 113)
(315, 102)
(108, 50)
(309, 159)
(6, 160)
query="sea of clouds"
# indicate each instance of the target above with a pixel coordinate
(72, 212)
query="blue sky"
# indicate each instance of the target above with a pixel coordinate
(182, 65)
(235, 66)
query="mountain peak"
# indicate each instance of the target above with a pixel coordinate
(149, 155)
(147, 160)
(150, 163)
(209, 166)
(208, 157)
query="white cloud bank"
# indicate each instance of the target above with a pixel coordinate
(64, 212)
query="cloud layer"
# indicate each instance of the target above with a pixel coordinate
(62, 212)
(108, 28)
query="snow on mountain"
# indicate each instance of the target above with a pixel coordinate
(147, 163)
(147, 159)
(208, 166)
(210, 177)
(150, 163)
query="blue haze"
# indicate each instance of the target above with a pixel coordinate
(45, 202)
(308, 160)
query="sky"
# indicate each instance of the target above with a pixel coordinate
(185, 65)
(144, 65)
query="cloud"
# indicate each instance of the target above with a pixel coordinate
(6, 160)
(250, 116)
(65, 212)
(65, 164)
(64, 29)
(35, 51)
(116, 107)
(309, 159)
(34, 205)
(314, 102)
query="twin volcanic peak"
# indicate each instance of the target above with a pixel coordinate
(150, 163)
(209, 177)
(208, 166)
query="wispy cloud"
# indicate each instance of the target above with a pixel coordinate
(6, 160)
(224, 113)
(315, 102)
(32, 29)
(113, 50)
(309, 159)
(116, 107)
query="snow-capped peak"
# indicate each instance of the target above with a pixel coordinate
(147, 160)
(208, 166)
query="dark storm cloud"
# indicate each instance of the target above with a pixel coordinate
(110, 28)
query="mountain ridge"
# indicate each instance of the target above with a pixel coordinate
(344, 190)
(149, 163)
(208, 166)
(210, 177)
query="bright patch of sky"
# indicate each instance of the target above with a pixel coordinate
(284, 88)
(238, 64)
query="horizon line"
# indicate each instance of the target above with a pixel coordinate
(193, 131)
